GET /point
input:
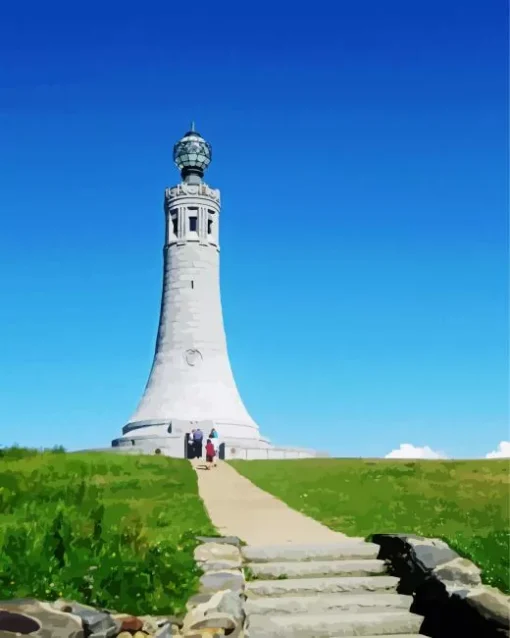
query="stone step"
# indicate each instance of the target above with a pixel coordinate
(308, 569)
(362, 603)
(314, 586)
(334, 625)
(349, 549)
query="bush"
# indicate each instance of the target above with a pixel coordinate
(74, 557)
(107, 531)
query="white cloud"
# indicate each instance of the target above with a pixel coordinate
(502, 452)
(409, 451)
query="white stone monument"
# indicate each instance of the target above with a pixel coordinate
(191, 383)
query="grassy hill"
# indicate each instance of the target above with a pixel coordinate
(466, 503)
(107, 530)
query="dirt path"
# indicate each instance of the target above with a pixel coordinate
(238, 508)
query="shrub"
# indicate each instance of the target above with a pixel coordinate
(84, 528)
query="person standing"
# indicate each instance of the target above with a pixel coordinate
(210, 454)
(215, 440)
(198, 439)
(191, 445)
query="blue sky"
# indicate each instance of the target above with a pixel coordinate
(361, 151)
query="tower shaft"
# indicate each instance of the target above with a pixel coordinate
(191, 378)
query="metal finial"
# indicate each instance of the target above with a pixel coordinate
(193, 126)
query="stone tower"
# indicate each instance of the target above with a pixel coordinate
(191, 382)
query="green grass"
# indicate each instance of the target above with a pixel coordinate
(112, 531)
(466, 503)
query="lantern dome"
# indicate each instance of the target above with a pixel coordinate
(192, 154)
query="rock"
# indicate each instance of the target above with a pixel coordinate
(459, 570)
(206, 633)
(200, 611)
(410, 549)
(159, 625)
(163, 620)
(446, 588)
(432, 552)
(491, 604)
(455, 588)
(216, 551)
(150, 625)
(215, 620)
(140, 634)
(414, 558)
(218, 565)
(131, 623)
(166, 631)
(222, 540)
(125, 634)
(197, 599)
(97, 624)
(415, 541)
(212, 582)
(44, 619)
(209, 615)
(232, 604)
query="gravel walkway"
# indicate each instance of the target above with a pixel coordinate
(238, 508)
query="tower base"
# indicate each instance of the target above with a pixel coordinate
(172, 440)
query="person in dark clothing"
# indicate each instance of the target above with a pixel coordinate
(198, 439)
(191, 445)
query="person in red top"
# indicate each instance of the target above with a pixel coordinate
(210, 453)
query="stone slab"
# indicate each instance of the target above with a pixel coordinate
(212, 582)
(313, 586)
(215, 552)
(219, 565)
(362, 603)
(333, 551)
(309, 569)
(331, 625)
(223, 540)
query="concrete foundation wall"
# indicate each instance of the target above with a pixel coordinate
(240, 449)
(168, 446)
(268, 454)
